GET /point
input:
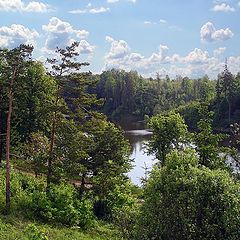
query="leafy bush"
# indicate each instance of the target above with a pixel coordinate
(22, 189)
(61, 205)
(185, 201)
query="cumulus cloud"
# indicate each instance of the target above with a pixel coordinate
(17, 34)
(19, 5)
(160, 56)
(233, 64)
(208, 33)
(85, 47)
(197, 56)
(61, 34)
(223, 7)
(219, 51)
(119, 49)
(196, 63)
(120, 56)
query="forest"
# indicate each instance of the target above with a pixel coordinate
(64, 159)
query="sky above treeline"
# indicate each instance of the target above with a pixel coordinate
(175, 37)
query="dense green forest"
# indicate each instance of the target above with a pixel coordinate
(64, 164)
(127, 93)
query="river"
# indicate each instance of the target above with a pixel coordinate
(138, 136)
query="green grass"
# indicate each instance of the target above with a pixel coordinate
(15, 228)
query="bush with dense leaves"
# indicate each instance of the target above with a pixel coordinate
(61, 205)
(186, 201)
(22, 190)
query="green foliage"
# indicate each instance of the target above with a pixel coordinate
(17, 228)
(114, 202)
(22, 190)
(33, 233)
(33, 107)
(169, 131)
(55, 119)
(184, 201)
(208, 143)
(227, 98)
(190, 114)
(127, 93)
(61, 205)
(35, 152)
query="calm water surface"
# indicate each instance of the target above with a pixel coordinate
(138, 136)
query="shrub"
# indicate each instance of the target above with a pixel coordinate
(22, 188)
(185, 201)
(61, 205)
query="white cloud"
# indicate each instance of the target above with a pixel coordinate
(163, 21)
(78, 11)
(219, 51)
(119, 49)
(233, 64)
(90, 10)
(120, 56)
(223, 7)
(19, 5)
(85, 47)
(149, 23)
(196, 63)
(61, 34)
(159, 57)
(98, 10)
(17, 34)
(197, 56)
(109, 39)
(210, 34)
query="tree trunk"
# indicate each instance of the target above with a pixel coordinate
(8, 138)
(52, 142)
(82, 186)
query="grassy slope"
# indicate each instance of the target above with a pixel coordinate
(14, 228)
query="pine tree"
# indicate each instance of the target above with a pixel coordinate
(226, 88)
(13, 66)
(71, 99)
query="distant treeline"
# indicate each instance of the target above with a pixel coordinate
(128, 93)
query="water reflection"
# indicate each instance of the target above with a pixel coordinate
(138, 137)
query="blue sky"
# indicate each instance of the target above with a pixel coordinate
(188, 37)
